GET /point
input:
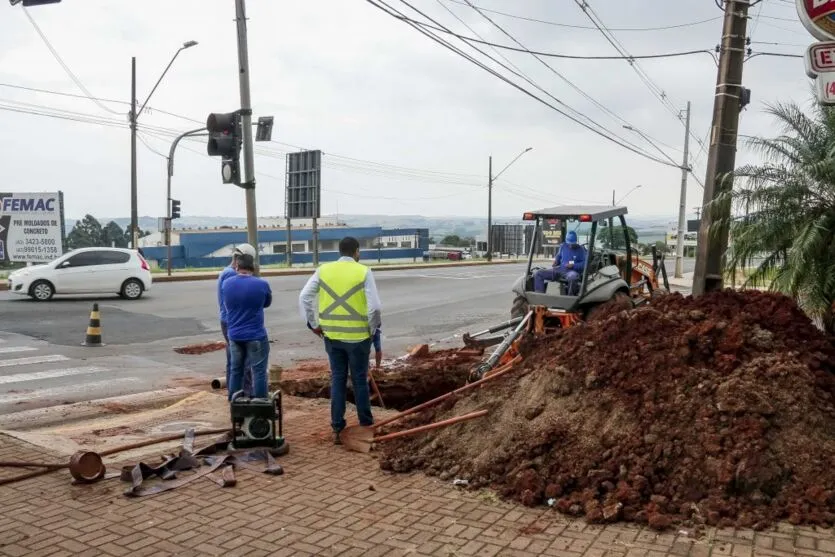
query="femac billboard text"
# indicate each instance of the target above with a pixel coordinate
(31, 227)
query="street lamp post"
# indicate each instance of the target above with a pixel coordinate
(133, 116)
(490, 181)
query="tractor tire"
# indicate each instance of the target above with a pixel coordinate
(619, 302)
(519, 308)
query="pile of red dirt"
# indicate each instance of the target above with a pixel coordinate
(403, 383)
(717, 410)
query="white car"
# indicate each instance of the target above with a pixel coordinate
(85, 271)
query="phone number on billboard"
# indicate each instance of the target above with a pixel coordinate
(40, 241)
(40, 250)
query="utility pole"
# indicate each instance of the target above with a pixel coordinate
(713, 243)
(246, 125)
(490, 209)
(134, 210)
(682, 224)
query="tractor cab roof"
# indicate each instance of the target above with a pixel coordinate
(585, 213)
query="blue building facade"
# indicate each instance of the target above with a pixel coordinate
(212, 248)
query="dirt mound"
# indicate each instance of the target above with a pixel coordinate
(403, 383)
(716, 410)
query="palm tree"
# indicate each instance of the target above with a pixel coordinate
(784, 223)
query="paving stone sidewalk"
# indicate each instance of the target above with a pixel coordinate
(330, 502)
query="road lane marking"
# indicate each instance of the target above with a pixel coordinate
(63, 393)
(33, 360)
(51, 374)
(12, 349)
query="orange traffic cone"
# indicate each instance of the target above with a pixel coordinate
(94, 329)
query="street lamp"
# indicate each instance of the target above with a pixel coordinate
(133, 115)
(490, 180)
(639, 186)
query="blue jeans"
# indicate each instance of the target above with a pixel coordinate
(251, 355)
(553, 274)
(224, 329)
(345, 356)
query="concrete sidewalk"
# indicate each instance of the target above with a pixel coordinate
(330, 502)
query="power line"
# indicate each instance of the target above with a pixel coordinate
(571, 26)
(390, 11)
(655, 89)
(66, 68)
(554, 54)
(558, 74)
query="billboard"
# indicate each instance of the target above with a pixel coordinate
(551, 233)
(31, 227)
(304, 170)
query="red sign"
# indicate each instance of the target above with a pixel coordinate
(818, 16)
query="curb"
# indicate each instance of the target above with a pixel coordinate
(308, 271)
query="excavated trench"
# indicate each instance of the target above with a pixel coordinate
(403, 383)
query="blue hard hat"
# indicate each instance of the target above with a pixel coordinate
(571, 237)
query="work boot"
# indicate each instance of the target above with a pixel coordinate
(336, 439)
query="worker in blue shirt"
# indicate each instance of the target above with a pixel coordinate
(569, 263)
(231, 271)
(245, 297)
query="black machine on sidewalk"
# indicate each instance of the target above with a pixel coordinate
(257, 422)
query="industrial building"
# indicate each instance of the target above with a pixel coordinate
(213, 247)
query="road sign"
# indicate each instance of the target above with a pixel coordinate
(818, 17)
(303, 185)
(820, 66)
(31, 226)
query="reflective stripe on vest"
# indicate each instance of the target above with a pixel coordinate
(343, 309)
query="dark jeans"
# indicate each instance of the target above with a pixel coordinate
(345, 357)
(252, 355)
(553, 274)
(224, 328)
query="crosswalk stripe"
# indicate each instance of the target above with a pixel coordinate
(62, 393)
(12, 349)
(33, 360)
(51, 374)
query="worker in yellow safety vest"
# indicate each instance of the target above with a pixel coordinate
(346, 317)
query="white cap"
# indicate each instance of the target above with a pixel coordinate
(244, 249)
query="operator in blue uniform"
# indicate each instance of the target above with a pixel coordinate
(569, 263)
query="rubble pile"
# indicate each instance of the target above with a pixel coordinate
(717, 410)
(403, 383)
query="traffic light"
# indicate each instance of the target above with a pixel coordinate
(175, 209)
(225, 142)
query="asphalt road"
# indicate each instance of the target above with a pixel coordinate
(42, 362)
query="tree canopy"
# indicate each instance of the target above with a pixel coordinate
(782, 224)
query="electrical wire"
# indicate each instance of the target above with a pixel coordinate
(553, 70)
(554, 54)
(655, 89)
(570, 26)
(577, 113)
(456, 50)
(66, 68)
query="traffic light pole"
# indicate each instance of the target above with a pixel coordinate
(168, 190)
(134, 210)
(246, 125)
(721, 159)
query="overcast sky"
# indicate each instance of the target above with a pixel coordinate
(406, 125)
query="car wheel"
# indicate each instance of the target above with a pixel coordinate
(132, 289)
(520, 307)
(42, 291)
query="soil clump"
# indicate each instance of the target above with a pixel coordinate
(717, 410)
